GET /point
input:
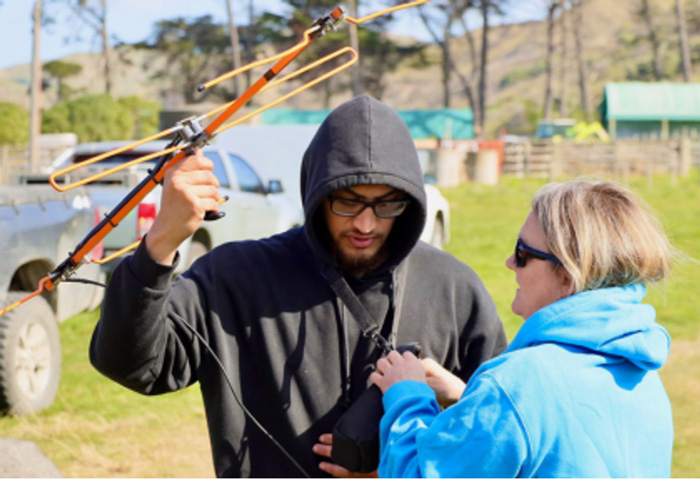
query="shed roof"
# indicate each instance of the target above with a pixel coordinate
(446, 123)
(640, 101)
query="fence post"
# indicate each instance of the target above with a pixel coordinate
(685, 155)
(650, 171)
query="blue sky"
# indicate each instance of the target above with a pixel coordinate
(132, 20)
(129, 20)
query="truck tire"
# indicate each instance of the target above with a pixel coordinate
(30, 356)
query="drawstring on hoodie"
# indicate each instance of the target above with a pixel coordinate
(344, 355)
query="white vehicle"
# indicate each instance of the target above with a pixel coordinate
(437, 222)
(254, 209)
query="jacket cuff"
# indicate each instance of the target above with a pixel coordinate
(404, 389)
(148, 272)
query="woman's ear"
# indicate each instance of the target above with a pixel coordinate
(566, 282)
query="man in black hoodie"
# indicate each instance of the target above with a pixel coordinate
(278, 312)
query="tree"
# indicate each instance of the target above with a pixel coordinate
(36, 88)
(485, 7)
(552, 7)
(93, 13)
(451, 13)
(144, 113)
(578, 22)
(356, 83)
(92, 118)
(683, 41)
(60, 71)
(646, 15)
(563, 97)
(13, 127)
(235, 49)
(379, 54)
(193, 52)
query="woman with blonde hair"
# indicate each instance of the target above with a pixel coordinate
(577, 392)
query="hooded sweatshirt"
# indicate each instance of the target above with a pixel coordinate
(576, 394)
(295, 356)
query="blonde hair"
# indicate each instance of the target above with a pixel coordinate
(603, 234)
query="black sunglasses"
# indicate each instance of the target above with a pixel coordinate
(353, 207)
(523, 252)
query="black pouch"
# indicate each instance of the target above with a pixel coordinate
(356, 434)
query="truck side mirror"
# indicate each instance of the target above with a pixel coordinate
(274, 187)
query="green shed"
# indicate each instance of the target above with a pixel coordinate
(443, 124)
(639, 109)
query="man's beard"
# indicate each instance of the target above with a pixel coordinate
(360, 265)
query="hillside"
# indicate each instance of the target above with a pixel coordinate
(616, 49)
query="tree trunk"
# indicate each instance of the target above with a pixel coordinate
(482, 75)
(356, 81)
(683, 37)
(563, 98)
(35, 113)
(551, 11)
(105, 48)
(446, 66)
(235, 50)
(655, 44)
(250, 44)
(577, 9)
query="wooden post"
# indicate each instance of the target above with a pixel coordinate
(527, 158)
(665, 129)
(684, 154)
(612, 126)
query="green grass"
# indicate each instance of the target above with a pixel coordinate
(99, 429)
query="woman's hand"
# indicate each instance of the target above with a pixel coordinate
(395, 368)
(448, 387)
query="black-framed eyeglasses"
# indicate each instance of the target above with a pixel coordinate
(381, 208)
(523, 252)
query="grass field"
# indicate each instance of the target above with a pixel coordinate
(98, 429)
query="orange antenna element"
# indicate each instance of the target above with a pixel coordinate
(102, 174)
(132, 246)
(312, 83)
(191, 134)
(385, 12)
(43, 285)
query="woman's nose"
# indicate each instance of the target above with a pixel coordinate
(510, 262)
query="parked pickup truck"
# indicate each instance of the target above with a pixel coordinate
(254, 210)
(39, 228)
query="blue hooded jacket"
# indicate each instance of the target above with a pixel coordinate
(576, 394)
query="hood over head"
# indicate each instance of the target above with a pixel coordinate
(610, 321)
(363, 142)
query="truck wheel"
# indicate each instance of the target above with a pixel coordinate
(30, 356)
